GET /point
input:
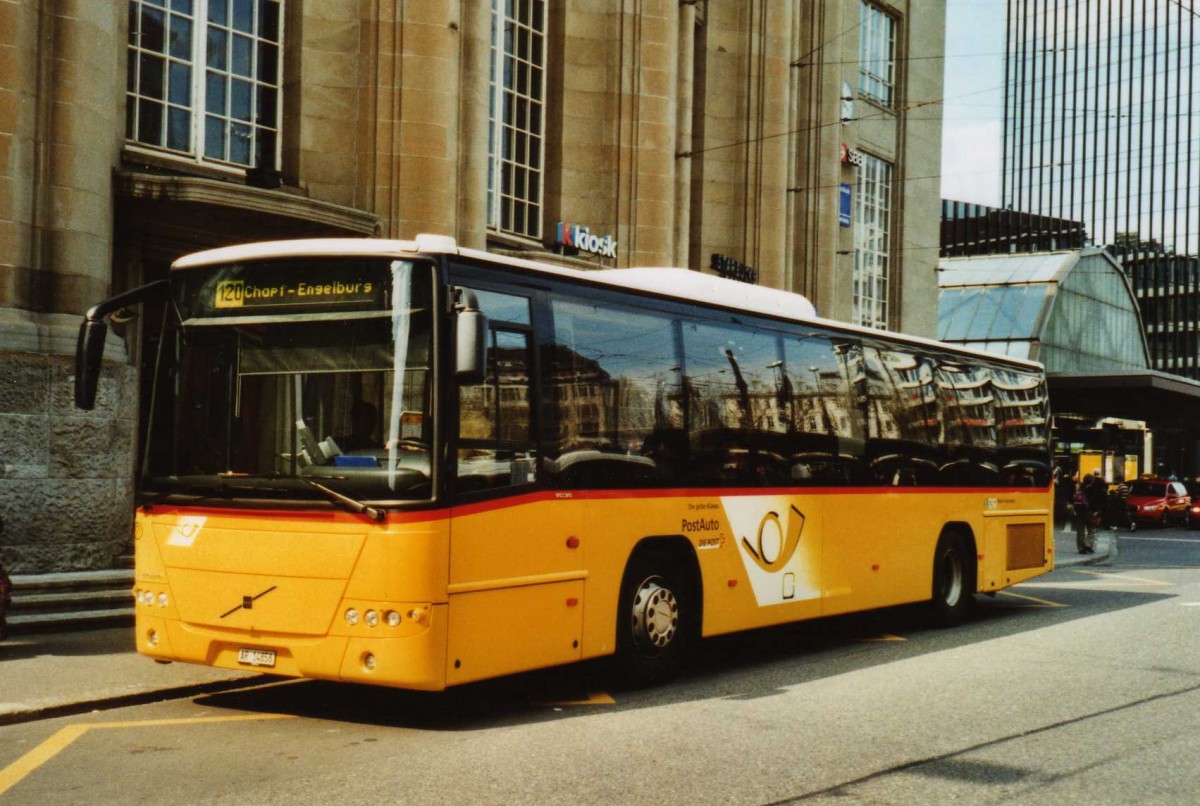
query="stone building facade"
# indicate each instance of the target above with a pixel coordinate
(794, 143)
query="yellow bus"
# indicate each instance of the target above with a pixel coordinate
(417, 465)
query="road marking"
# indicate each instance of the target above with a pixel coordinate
(1106, 576)
(11, 775)
(1101, 580)
(1034, 599)
(1189, 604)
(600, 698)
(1139, 538)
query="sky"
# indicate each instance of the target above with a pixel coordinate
(974, 101)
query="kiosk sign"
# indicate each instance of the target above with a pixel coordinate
(582, 239)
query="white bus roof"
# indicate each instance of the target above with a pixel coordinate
(674, 283)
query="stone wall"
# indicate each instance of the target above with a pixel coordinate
(65, 475)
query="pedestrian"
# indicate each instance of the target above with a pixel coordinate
(1096, 492)
(1079, 514)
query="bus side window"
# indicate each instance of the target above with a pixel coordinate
(904, 419)
(736, 429)
(495, 438)
(614, 400)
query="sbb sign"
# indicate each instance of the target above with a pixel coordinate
(583, 240)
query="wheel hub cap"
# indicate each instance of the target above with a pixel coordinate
(655, 614)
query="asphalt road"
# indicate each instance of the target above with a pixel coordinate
(1081, 686)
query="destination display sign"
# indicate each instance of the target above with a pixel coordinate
(282, 288)
(250, 294)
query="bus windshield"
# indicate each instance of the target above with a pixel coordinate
(276, 376)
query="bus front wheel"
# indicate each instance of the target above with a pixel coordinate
(655, 621)
(951, 597)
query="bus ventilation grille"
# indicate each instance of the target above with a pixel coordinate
(1026, 546)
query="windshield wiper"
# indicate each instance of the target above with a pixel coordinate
(351, 504)
(195, 493)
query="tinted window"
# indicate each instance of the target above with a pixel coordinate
(614, 393)
(735, 423)
(825, 416)
(496, 446)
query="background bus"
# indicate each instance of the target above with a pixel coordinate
(411, 464)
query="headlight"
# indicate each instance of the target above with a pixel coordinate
(352, 617)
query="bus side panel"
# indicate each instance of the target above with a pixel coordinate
(879, 547)
(759, 557)
(515, 629)
(1015, 548)
(516, 588)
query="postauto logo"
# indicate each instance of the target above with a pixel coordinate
(582, 239)
(769, 533)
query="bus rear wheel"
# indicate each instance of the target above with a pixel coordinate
(951, 596)
(655, 621)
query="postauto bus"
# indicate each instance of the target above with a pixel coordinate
(417, 465)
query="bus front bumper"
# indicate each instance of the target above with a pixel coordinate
(413, 659)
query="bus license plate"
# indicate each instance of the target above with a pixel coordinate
(257, 657)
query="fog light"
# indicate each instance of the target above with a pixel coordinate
(152, 638)
(162, 600)
(352, 617)
(393, 618)
(368, 661)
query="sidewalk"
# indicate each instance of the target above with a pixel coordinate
(59, 673)
(1065, 554)
(73, 672)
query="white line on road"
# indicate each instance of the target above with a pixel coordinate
(1160, 539)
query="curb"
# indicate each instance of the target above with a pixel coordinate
(126, 700)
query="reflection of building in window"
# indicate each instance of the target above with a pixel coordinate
(968, 402)
(1020, 403)
(499, 408)
(916, 396)
(882, 421)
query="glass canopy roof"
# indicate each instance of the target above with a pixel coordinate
(1073, 311)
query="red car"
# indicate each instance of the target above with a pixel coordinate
(1158, 502)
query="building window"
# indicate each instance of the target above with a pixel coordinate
(872, 246)
(515, 117)
(876, 56)
(203, 79)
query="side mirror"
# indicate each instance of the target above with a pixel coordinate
(89, 350)
(471, 342)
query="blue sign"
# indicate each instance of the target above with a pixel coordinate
(844, 205)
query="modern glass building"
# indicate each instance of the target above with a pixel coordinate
(1100, 111)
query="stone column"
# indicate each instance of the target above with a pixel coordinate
(684, 104)
(65, 476)
(648, 86)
